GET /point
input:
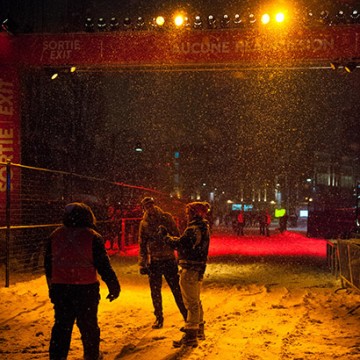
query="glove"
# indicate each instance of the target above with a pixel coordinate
(144, 271)
(162, 231)
(114, 292)
(112, 297)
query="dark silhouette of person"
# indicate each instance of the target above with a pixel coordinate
(157, 259)
(74, 255)
(283, 223)
(193, 248)
(240, 223)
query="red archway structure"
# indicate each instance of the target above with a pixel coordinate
(167, 50)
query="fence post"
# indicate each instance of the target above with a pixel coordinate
(7, 219)
(123, 227)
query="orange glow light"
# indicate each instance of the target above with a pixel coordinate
(160, 21)
(179, 20)
(280, 17)
(265, 19)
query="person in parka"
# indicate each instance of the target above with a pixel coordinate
(193, 248)
(157, 259)
(74, 255)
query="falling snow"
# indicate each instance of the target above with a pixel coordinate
(264, 299)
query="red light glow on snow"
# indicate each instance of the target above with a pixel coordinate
(287, 244)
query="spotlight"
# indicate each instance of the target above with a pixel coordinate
(350, 67)
(197, 22)
(54, 76)
(334, 65)
(179, 20)
(237, 20)
(89, 24)
(8, 26)
(310, 17)
(101, 24)
(73, 69)
(340, 17)
(159, 21)
(225, 22)
(355, 16)
(114, 24)
(211, 22)
(252, 19)
(265, 19)
(187, 24)
(324, 17)
(127, 23)
(138, 147)
(280, 17)
(140, 23)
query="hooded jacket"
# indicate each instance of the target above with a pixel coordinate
(152, 246)
(193, 244)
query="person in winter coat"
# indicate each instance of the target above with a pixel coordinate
(193, 248)
(157, 259)
(240, 223)
(74, 255)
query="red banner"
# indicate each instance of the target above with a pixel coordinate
(184, 48)
(9, 133)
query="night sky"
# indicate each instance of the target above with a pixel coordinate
(227, 125)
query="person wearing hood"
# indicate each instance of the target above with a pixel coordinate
(74, 255)
(193, 248)
(157, 259)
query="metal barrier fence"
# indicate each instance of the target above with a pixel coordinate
(31, 207)
(349, 262)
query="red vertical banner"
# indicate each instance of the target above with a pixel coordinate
(9, 134)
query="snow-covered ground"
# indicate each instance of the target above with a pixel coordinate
(262, 301)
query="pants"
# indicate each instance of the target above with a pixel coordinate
(240, 229)
(169, 269)
(190, 284)
(75, 303)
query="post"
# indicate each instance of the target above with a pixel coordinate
(8, 223)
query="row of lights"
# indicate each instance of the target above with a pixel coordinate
(212, 22)
(54, 74)
(348, 67)
(179, 21)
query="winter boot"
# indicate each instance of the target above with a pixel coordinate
(201, 332)
(159, 323)
(188, 339)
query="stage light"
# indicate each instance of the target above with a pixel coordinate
(187, 24)
(355, 16)
(225, 22)
(114, 24)
(8, 26)
(179, 20)
(211, 22)
(265, 19)
(140, 23)
(197, 22)
(350, 67)
(237, 20)
(54, 76)
(89, 24)
(101, 24)
(324, 17)
(334, 65)
(252, 19)
(127, 23)
(340, 17)
(73, 69)
(280, 17)
(160, 21)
